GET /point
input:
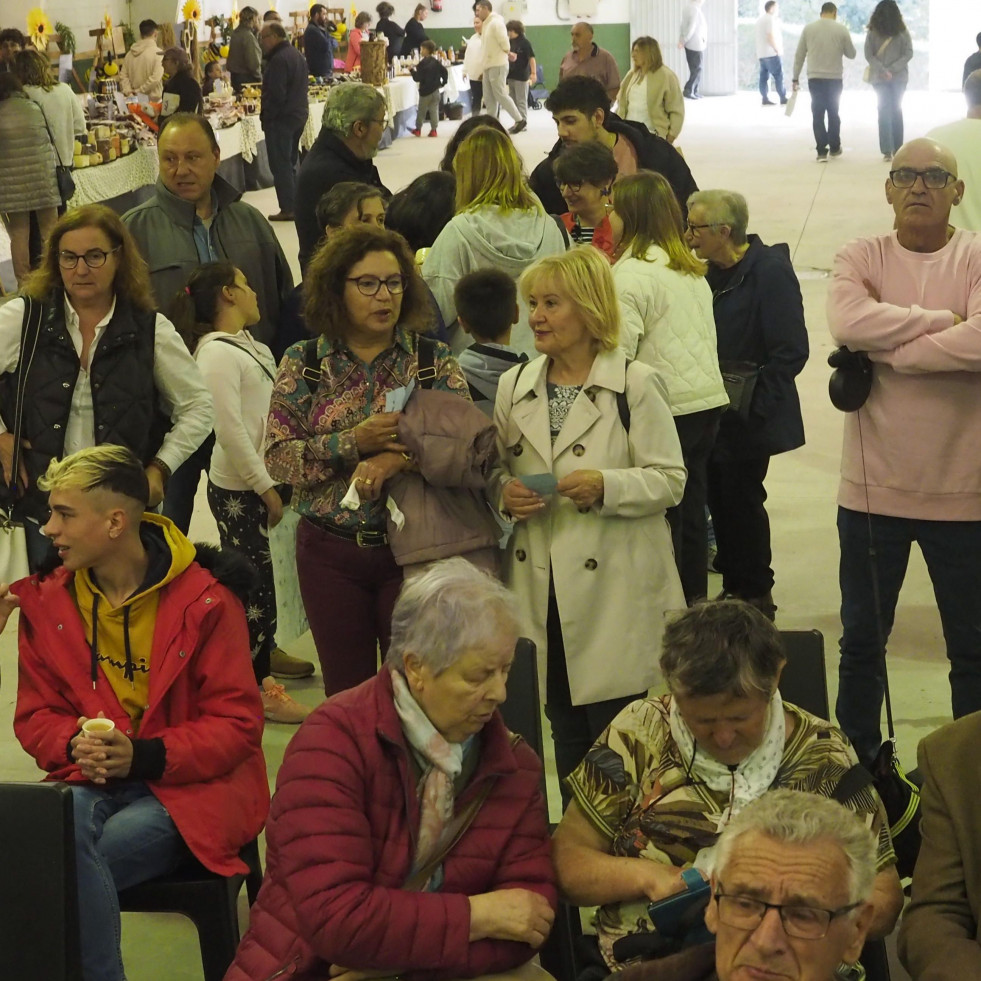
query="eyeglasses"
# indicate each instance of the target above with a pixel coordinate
(370, 285)
(574, 186)
(381, 122)
(93, 258)
(698, 228)
(933, 179)
(802, 922)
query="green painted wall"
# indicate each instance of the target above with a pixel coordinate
(551, 43)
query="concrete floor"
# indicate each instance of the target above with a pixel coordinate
(734, 143)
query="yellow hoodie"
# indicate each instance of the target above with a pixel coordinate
(121, 638)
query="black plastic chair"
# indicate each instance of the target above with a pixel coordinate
(38, 906)
(209, 900)
(804, 682)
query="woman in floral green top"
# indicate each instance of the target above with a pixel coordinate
(329, 434)
(657, 788)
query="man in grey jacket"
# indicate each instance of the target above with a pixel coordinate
(195, 217)
(824, 43)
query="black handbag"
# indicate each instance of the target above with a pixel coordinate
(739, 379)
(63, 174)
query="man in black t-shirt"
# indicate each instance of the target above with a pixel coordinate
(523, 68)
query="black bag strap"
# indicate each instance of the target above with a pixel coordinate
(854, 781)
(426, 359)
(565, 231)
(30, 332)
(268, 373)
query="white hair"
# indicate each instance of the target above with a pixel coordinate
(800, 818)
(449, 609)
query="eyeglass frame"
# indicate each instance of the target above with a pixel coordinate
(697, 228)
(357, 280)
(832, 914)
(921, 174)
(83, 255)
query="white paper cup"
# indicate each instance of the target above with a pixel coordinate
(98, 727)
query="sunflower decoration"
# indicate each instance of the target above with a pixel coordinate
(192, 11)
(107, 22)
(39, 28)
(233, 16)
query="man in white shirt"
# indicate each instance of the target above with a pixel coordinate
(495, 46)
(964, 140)
(694, 39)
(769, 49)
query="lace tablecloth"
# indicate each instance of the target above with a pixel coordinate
(94, 184)
(312, 128)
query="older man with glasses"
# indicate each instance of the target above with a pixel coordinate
(354, 123)
(910, 299)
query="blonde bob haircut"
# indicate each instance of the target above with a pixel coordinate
(106, 467)
(583, 276)
(489, 172)
(650, 54)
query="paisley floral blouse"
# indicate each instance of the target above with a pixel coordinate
(310, 441)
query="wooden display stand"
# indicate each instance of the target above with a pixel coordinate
(374, 64)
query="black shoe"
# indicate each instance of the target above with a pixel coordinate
(822, 156)
(518, 127)
(783, 101)
(768, 102)
(837, 153)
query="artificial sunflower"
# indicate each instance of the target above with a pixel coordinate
(107, 20)
(191, 10)
(38, 28)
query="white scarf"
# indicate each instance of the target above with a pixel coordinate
(445, 760)
(752, 778)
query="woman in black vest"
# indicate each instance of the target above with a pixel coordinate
(102, 365)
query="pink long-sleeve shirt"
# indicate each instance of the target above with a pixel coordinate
(921, 426)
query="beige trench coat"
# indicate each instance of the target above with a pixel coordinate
(613, 565)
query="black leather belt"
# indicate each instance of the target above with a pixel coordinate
(362, 537)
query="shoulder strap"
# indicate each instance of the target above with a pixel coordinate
(267, 372)
(623, 406)
(565, 231)
(426, 358)
(311, 363)
(454, 831)
(29, 334)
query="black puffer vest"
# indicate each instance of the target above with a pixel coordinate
(124, 396)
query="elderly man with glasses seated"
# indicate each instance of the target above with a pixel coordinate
(911, 299)
(354, 123)
(790, 896)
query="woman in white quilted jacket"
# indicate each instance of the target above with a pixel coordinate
(667, 323)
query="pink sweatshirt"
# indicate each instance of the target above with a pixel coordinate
(922, 423)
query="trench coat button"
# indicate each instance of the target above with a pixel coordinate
(578, 449)
(591, 564)
(517, 450)
(520, 555)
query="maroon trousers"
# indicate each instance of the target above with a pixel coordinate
(348, 593)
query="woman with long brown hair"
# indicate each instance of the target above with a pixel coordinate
(667, 323)
(106, 368)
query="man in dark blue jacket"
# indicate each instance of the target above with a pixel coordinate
(318, 45)
(581, 110)
(284, 112)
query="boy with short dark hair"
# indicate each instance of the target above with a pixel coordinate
(487, 308)
(431, 76)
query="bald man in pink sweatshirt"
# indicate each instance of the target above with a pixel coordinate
(911, 299)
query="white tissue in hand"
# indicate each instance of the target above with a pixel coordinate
(352, 499)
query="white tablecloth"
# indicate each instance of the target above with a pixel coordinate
(106, 181)
(457, 82)
(400, 94)
(312, 128)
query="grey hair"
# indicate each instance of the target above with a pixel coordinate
(725, 647)
(350, 103)
(447, 610)
(800, 818)
(724, 208)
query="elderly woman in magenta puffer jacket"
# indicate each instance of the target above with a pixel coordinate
(27, 172)
(359, 881)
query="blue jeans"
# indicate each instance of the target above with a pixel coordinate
(692, 86)
(772, 66)
(825, 96)
(952, 551)
(283, 149)
(123, 836)
(890, 97)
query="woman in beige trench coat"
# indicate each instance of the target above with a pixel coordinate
(590, 560)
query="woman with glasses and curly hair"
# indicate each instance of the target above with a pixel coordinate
(106, 368)
(498, 223)
(334, 435)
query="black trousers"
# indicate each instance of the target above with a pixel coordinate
(736, 498)
(241, 518)
(574, 727)
(689, 526)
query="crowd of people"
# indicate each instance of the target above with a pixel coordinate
(500, 404)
